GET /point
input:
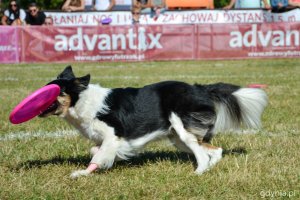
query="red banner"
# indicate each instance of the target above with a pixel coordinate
(111, 43)
(157, 42)
(248, 41)
(9, 47)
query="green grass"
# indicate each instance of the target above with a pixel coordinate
(38, 167)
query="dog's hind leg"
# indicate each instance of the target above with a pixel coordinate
(191, 142)
(214, 153)
(175, 140)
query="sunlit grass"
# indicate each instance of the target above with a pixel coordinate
(39, 167)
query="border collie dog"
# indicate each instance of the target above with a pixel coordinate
(121, 121)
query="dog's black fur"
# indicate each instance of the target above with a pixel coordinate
(134, 112)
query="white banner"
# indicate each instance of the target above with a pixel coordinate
(175, 17)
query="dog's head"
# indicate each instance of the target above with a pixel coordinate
(70, 88)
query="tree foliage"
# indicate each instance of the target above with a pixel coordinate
(221, 3)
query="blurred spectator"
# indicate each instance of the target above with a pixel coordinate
(48, 21)
(14, 15)
(73, 5)
(278, 5)
(281, 5)
(248, 4)
(141, 3)
(136, 12)
(34, 15)
(294, 3)
(157, 3)
(104, 5)
(89, 5)
(156, 7)
(123, 5)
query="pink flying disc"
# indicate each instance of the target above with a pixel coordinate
(106, 21)
(257, 86)
(34, 104)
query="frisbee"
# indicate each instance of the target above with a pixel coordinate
(106, 21)
(34, 104)
(257, 86)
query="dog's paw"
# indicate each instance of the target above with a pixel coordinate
(79, 173)
(215, 156)
(203, 167)
(201, 170)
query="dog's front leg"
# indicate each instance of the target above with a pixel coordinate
(92, 167)
(102, 159)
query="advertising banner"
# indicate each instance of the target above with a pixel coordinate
(237, 41)
(174, 17)
(112, 43)
(149, 43)
(9, 47)
(168, 42)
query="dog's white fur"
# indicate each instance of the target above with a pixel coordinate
(252, 102)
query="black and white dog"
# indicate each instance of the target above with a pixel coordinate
(121, 121)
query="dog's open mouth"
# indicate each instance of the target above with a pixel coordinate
(50, 109)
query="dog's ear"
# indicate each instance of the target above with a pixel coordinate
(66, 74)
(85, 80)
(82, 83)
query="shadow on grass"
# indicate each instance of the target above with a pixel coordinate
(138, 161)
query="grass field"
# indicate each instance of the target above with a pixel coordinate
(37, 157)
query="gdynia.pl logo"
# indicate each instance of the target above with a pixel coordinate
(277, 194)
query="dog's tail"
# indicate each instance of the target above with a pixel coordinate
(237, 107)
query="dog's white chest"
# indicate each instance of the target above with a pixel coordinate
(91, 128)
(83, 114)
